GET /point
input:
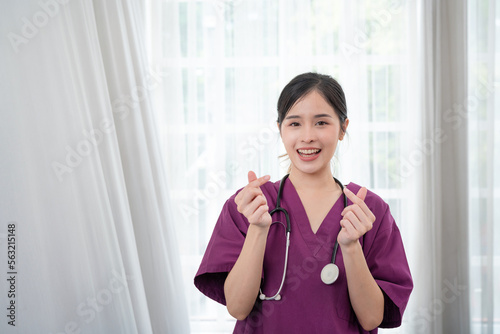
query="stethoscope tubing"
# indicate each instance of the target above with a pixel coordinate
(278, 208)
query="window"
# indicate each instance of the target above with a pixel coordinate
(231, 58)
(484, 163)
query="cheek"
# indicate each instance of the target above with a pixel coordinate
(332, 135)
(288, 138)
(331, 138)
(289, 145)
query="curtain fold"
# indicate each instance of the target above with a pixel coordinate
(437, 159)
(140, 158)
(452, 62)
(81, 174)
(451, 87)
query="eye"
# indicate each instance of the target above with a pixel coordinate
(294, 124)
(322, 123)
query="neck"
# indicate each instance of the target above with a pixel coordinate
(321, 180)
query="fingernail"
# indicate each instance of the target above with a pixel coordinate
(347, 189)
(267, 177)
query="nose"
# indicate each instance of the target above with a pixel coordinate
(308, 134)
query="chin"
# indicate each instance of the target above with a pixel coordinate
(310, 169)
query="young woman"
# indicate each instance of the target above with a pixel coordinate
(272, 286)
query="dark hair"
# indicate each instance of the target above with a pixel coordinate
(305, 83)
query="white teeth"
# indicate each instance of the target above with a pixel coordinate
(308, 151)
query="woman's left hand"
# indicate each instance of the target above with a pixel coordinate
(357, 218)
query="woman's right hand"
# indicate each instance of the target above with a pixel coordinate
(252, 203)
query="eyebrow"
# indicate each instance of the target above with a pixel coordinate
(315, 116)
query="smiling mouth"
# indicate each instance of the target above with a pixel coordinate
(308, 152)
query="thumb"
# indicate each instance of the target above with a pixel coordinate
(251, 176)
(362, 193)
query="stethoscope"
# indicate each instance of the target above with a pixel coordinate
(330, 272)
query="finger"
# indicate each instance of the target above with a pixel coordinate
(362, 193)
(254, 205)
(254, 215)
(259, 216)
(260, 181)
(357, 217)
(251, 176)
(246, 196)
(255, 183)
(357, 211)
(356, 200)
(348, 229)
(360, 227)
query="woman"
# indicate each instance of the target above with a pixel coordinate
(244, 261)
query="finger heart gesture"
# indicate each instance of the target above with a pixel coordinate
(252, 203)
(357, 218)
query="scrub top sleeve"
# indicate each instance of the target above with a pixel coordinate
(222, 252)
(387, 261)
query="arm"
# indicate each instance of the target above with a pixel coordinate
(365, 295)
(241, 287)
(243, 281)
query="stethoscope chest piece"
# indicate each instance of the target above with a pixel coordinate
(329, 273)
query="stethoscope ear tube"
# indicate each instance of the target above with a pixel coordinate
(336, 246)
(277, 296)
(278, 208)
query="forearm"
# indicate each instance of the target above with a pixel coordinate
(365, 295)
(241, 287)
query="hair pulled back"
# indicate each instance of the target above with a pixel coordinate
(305, 83)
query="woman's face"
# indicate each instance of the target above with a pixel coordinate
(310, 133)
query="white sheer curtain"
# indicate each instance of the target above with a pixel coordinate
(435, 162)
(82, 181)
(483, 121)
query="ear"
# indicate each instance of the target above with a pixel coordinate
(342, 134)
(279, 129)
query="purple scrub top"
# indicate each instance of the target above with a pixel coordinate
(307, 305)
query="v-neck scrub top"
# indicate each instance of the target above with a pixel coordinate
(307, 305)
